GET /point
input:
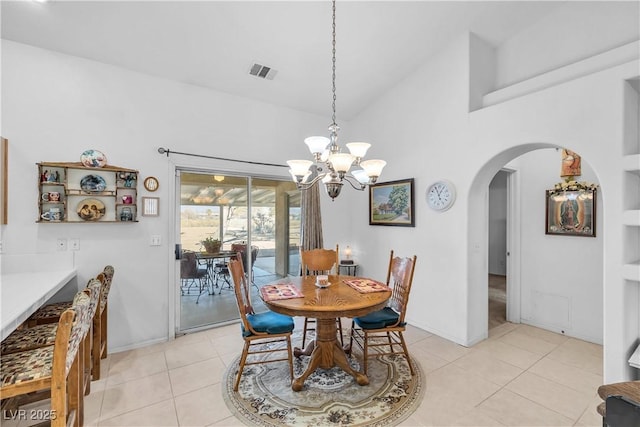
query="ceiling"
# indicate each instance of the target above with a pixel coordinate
(214, 43)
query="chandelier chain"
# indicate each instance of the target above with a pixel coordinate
(333, 75)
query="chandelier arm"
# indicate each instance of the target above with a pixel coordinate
(357, 185)
(307, 185)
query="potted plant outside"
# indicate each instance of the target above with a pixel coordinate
(211, 245)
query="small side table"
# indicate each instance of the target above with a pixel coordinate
(348, 268)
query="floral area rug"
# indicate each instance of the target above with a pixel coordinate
(330, 397)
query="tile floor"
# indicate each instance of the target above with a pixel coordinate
(520, 376)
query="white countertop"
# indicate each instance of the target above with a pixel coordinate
(23, 293)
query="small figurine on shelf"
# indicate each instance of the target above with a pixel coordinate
(53, 176)
(127, 179)
(126, 214)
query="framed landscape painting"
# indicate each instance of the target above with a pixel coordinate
(392, 203)
(571, 213)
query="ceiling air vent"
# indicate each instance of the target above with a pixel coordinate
(262, 71)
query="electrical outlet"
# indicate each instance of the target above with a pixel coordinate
(61, 244)
(74, 244)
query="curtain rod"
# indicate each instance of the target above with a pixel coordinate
(166, 151)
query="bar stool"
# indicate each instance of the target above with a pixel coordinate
(55, 369)
(39, 336)
(50, 314)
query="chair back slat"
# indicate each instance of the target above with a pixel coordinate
(319, 261)
(95, 288)
(108, 273)
(400, 279)
(79, 328)
(242, 291)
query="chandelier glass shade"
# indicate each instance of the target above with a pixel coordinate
(332, 166)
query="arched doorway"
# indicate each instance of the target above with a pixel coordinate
(554, 282)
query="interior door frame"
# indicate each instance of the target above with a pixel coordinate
(514, 296)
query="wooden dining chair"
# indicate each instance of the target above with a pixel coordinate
(384, 328)
(314, 262)
(55, 370)
(260, 331)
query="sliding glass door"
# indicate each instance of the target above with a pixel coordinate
(255, 214)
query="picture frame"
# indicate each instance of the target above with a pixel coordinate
(392, 203)
(571, 212)
(150, 206)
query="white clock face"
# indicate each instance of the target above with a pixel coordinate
(441, 195)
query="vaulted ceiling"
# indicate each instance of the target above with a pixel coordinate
(214, 43)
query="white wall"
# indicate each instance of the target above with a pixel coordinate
(567, 35)
(56, 106)
(561, 276)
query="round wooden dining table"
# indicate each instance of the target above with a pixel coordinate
(325, 305)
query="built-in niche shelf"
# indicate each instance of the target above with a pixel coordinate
(631, 163)
(631, 217)
(631, 271)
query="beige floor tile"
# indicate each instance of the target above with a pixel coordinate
(590, 417)
(228, 422)
(441, 347)
(488, 367)
(580, 354)
(159, 414)
(527, 342)
(543, 334)
(413, 334)
(197, 375)
(93, 407)
(514, 410)
(138, 366)
(182, 355)
(570, 376)
(229, 344)
(458, 385)
(440, 411)
(201, 407)
(135, 394)
(507, 353)
(552, 395)
(502, 329)
(476, 418)
(428, 361)
(137, 352)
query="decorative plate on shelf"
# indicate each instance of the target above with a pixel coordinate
(90, 209)
(93, 159)
(93, 184)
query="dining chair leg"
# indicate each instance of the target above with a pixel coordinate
(406, 352)
(290, 357)
(243, 360)
(365, 350)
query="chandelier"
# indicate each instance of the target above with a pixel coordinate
(331, 165)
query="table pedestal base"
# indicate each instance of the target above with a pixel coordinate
(326, 353)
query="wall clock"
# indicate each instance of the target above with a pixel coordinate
(441, 195)
(151, 183)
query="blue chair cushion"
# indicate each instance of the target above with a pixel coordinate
(269, 322)
(378, 319)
